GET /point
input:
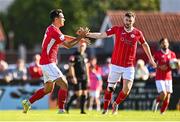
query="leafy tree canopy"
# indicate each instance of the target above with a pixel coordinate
(29, 18)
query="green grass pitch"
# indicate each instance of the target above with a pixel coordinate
(74, 115)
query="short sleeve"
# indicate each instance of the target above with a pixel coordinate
(59, 37)
(141, 39)
(111, 31)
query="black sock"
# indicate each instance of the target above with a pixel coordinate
(82, 102)
(70, 101)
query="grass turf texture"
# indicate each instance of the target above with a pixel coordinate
(74, 115)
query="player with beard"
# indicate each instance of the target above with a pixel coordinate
(123, 58)
(163, 75)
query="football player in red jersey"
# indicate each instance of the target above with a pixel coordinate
(163, 75)
(123, 58)
(53, 38)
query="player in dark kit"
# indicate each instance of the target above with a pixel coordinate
(79, 74)
(123, 58)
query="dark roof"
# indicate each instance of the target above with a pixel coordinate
(154, 25)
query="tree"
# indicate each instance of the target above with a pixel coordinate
(29, 18)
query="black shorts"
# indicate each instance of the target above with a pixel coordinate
(81, 85)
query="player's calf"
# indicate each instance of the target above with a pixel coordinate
(107, 99)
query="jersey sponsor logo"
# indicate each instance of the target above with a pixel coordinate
(126, 41)
(132, 35)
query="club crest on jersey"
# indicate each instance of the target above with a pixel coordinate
(132, 35)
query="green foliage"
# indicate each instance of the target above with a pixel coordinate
(74, 14)
(29, 18)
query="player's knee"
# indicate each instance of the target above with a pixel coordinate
(111, 87)
(48, 90)
(64, 86)
(48, 87)
(126, 90)
(62, 82)
(163, 95)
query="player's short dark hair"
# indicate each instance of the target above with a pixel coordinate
(55, 13)
(130, 14)
(162, 40)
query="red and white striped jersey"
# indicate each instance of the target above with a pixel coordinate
(52, 39)
(124, 51)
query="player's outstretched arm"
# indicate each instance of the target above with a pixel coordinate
(148, 53)
(94, 35)
(72, 43)
(84, 31)
(97, 35)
